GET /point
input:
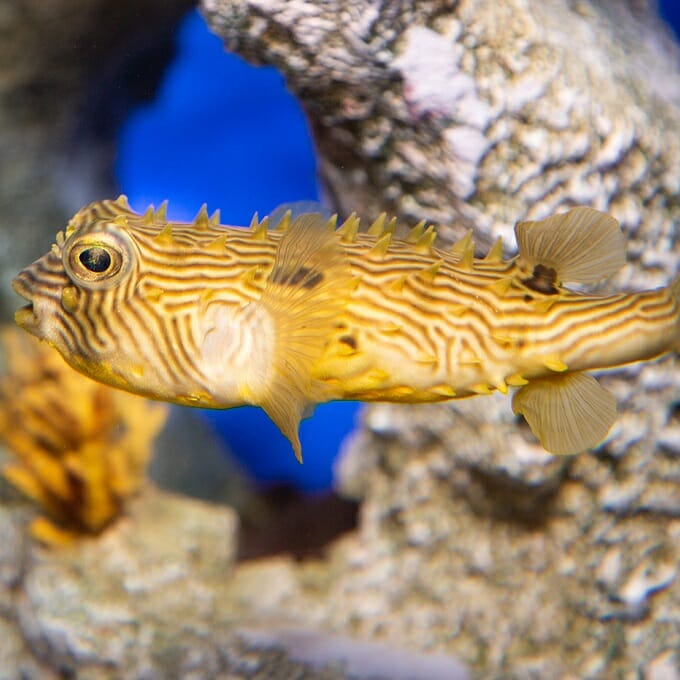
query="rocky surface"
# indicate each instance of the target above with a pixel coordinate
(156, 597)
(472, 544)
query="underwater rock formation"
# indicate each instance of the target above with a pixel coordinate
(472, 543)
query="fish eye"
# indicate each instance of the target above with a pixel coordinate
(97, 261)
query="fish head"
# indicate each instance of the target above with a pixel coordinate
(153, 307)
(76, 294)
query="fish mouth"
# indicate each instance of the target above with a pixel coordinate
(24, 316)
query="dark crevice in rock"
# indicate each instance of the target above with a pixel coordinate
(286, 521)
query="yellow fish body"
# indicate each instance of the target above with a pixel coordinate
(285, 318)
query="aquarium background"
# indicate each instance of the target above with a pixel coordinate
(223, 132)
(670, 11)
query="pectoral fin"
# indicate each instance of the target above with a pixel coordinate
(568, 413)
(307, 290)
(582, 245)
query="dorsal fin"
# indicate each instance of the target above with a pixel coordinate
(582, 245)
(162, 212)
(380, 247)
(495, 255)
(289, 211)
(416, 232)
(122, 202)
(378, 227)
(305, 293)
(425, 242)
(164, 236)
(349, 229)
(149, 216)
(201, 221)
(568, 412)
(257, 229)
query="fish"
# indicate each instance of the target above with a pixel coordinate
(216, 316)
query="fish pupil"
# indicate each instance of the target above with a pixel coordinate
(95, 259)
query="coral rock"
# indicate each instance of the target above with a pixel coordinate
(81, 448)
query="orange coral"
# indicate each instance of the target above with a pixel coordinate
(81, 447)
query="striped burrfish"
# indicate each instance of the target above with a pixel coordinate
(288, 317)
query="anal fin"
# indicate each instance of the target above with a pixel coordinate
(568, 412)
(307, 290)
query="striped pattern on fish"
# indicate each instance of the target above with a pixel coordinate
(285, 318)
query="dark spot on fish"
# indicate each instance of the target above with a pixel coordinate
(349, 340)
(302, 277)
(312, 281)
(542, 280)
(527, 297)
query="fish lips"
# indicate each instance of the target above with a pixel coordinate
(25, 316)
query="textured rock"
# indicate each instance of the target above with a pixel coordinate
(155, 597)
(90, 608)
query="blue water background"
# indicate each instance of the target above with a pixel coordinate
(229, 134)
(670, 11)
